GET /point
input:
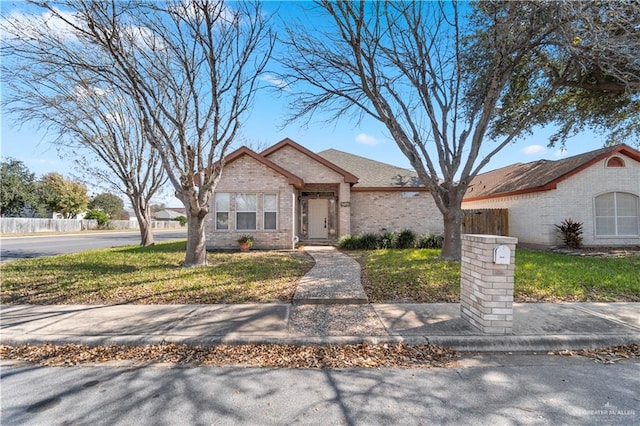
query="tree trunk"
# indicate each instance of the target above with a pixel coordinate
(146, 233)
(452, 217)
(452, 245)
(143, 215)
(196, 240)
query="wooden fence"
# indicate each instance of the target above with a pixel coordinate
(486, 221)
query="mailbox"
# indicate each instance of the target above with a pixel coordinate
(502, 255)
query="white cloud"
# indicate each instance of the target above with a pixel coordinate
(26, 25)
(533, 150)
(281, 84)
(366, 139)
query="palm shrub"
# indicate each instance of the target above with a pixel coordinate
(571, 232)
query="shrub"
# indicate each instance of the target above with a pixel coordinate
(386, 240)
(347, 242)
(182, 220)
(405, 239)
(571, 232)
(368, 241)
(100, 216)
(430, 241)
(246, 239)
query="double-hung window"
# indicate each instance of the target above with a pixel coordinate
(246, 208)
(270, 211)
(222, 211)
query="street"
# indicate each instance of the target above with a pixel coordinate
(484, 389)
(50, 245)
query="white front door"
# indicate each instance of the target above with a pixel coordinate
(318, 217)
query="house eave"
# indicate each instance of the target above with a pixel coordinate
(548, 187)
(389, 189)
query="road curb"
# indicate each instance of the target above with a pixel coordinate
(459, 343)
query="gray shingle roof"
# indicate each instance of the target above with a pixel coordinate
(371, 173)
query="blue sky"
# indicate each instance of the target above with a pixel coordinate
(263, 128)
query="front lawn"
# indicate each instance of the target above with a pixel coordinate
(418, 276)
(151, 275)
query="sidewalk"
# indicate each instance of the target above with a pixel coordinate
(322, 313)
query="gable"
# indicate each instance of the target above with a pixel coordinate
(306, 164)
(246, 153)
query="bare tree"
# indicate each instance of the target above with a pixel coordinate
(439, 81)
(82, 111)
(191, 68)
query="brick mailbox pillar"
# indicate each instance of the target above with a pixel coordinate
(486, 284)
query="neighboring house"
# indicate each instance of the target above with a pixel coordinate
(288, 193)
(600, 188)
(170, 213)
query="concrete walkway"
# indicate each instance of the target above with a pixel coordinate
(334, 279)
(322, 313)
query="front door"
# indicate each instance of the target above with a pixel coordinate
(318, 217)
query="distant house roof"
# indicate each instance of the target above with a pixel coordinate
(539, 175)
(371, 173)
(170, 213)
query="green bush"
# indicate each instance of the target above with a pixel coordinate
(430, 241)
(347, 242)
(182, 220)
(368, 241)
(405, 239)
(99, 216)
(386, 240)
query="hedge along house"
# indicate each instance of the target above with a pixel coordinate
(600, 188)
(287, 194)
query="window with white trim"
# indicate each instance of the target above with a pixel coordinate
(246, 210)
(270, 211)
(222, 211)
(617, 214)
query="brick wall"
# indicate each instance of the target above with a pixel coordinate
(373, 211)
(245, 175)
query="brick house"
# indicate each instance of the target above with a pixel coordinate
(600, 188)
(288, 193)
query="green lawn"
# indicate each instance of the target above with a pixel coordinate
(419, 276)
(151, 275)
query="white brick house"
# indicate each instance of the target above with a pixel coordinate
(600, 188)
(288, 193)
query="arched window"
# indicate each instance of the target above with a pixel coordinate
(617, 214)
(615, 162)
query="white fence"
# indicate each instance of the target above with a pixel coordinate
(23, 225)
